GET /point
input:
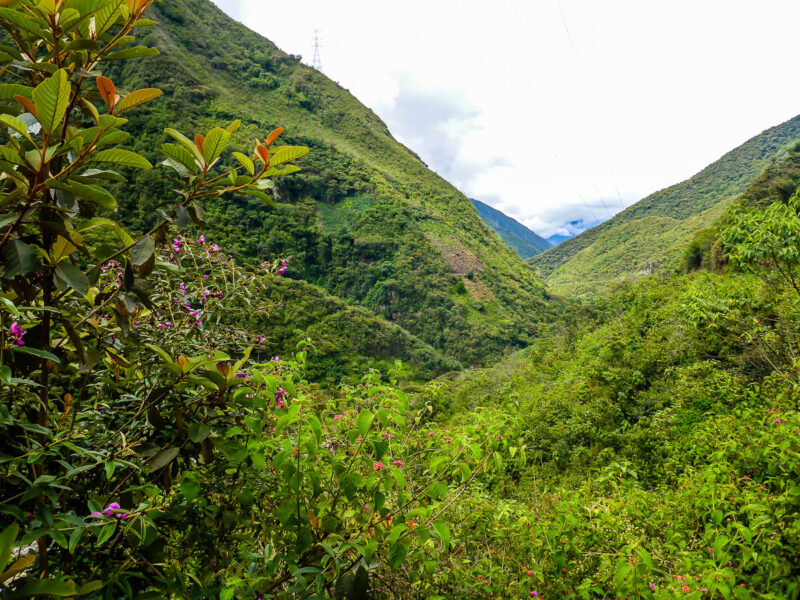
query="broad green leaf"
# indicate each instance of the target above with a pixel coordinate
(17, 124)
(44, 587)
(22, 21)
(7, 539)
(18, 567)
(163, 458)
(285, 154)
(128, 53)
(9, 90)
(125, 158)
(180, 155)
(37, 352)
(364, 422)
(185, 142)
(397, 554)
(73, 277)
(245, 162)
(287, 170)
(5, 374)
(190, 489)
(20, 259)
(51, 98)
(142, 251)
(137, 98)
(93, 193)
(443, 531)
(216, 142)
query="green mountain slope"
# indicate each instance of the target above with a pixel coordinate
(519, 238)
(367, 221)
(651, 232)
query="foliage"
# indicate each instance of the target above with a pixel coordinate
(658, 228)
(365, 221)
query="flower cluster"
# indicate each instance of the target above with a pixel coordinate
(17, 332)
(112, 510)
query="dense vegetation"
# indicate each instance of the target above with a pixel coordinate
(519, 238)
(181, 415)
(651, 234)
(365, 221)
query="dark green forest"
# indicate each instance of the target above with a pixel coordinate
(251, 347)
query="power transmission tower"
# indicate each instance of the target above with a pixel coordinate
(317, 61)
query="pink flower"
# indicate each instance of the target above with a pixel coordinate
(686, 588)
(535, 594)
(201, 239)
(397, 463)
(378, 466)
(16, 334)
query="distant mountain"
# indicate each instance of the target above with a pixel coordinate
(654, 231)
(519, 238)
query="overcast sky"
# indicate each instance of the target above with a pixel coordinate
(555, 110)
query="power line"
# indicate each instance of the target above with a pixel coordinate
(317, 60)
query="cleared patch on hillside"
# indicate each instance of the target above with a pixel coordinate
(463, 262)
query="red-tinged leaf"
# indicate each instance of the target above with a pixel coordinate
(108, 91)
(199, 141)
(28, 105)
(274, 136)
(263, 154)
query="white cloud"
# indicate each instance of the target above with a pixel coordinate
(540, 119)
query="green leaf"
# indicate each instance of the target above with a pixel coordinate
(245, 162)
(128, 53)
(180, 155)
(198, 432)
(185, 142)
(73, 277)
(364, 422)
(5, 374)
(20, 258)
(163, 458)
(287, 170)
(137, 98)
(93, 193)
(397, 554)
(9, 90)
(287, 153)
(190, 489)
(125, 158)
(7, 539)
(443, 531)
(44, 587)
(227, 593)
(142, 251)
(216, 143)
(105, 533)
(17, 124)
(37, 352)
(51, 98)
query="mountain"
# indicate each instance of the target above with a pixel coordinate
(366, 222)
(652, 233)
(519, 238)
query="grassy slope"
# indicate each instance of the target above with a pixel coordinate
(519, 238)
(655, 228)
(389, 233)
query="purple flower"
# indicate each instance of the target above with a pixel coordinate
(201, 239)
(16, 334)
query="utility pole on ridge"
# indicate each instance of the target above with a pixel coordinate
(317, 61)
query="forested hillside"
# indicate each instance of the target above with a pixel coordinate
(651, 233)
(519, 238)
(365, 220)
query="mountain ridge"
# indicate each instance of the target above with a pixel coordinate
(566, 268)
(523, 240)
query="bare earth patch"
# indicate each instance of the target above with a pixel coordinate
(462, 261)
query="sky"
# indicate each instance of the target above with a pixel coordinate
(557, 112)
